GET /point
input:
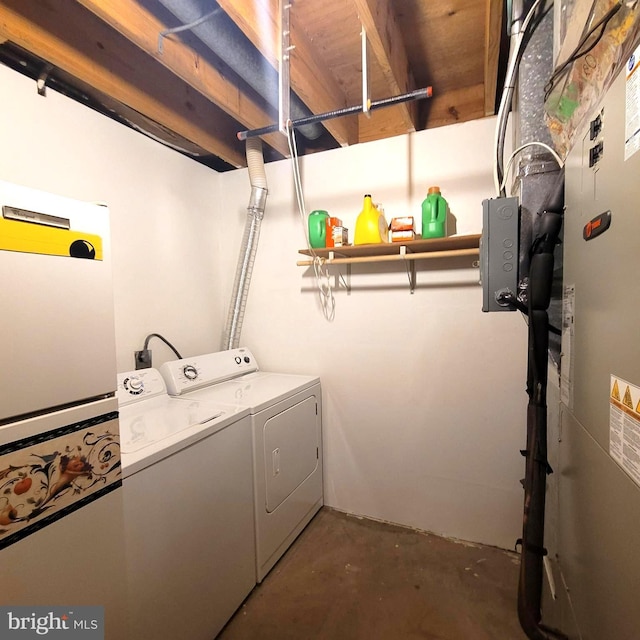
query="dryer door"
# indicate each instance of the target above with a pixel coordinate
(291, 444)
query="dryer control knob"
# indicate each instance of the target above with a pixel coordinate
(190, 372)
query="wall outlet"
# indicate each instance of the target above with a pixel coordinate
(143, 359)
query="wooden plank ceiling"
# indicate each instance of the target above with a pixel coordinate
(107, 52)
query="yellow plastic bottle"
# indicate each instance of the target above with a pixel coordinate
(371, 225)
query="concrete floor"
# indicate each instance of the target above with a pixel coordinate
(347, 578)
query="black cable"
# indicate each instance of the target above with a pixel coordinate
(576, 53)
(511, 300)
(157, 335)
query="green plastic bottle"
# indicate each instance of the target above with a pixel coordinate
(434, 214)
(318, 229)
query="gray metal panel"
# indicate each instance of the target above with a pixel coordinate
(604, 269)
(599, 503)
(600, 512)
(499, 251)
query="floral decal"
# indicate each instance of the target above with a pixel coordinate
(48, 476)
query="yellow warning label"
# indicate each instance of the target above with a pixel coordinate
(627, 401)
(615, 394)
(27, 237)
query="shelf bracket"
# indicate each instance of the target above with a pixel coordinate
(340, 280)
(410, 266)
(346, 283)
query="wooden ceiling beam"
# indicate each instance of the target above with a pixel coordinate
(70, 38)
(493, 31)
(311, 81)
(385, 37)
(458, 105)
(138, 25)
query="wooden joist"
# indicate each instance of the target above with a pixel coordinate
(138, 25)
(387, 44)
(493, 28)
(310, 80)
(64, 34)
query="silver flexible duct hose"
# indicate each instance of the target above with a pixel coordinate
(249, 246)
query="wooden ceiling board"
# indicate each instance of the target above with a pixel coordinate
(311, 81)
(493, 27)
(141, 27)
(385, 44)
(382, 123)
(459, 105)
(71, 38)
(334, 30)
(111, 46)
(436, 50)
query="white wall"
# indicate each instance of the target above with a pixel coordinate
(424, 402)
(166, 277)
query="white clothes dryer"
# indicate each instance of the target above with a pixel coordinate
(286, 428)
(188, 505)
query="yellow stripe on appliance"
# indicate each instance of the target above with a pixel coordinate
(29, 237)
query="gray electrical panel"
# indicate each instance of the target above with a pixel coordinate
(499, 252)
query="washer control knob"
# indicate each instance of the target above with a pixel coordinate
(238, 359)
(247, 359)
(190, 372)
(134, 385)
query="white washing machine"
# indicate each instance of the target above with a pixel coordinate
(286, 427)
(188, 503)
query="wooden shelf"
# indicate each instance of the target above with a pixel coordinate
(450, 247)
(409, 252)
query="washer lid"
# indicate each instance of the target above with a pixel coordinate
(155, 419)
(157, 428)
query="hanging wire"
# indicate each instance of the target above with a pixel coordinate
(580, 51)
(320, 269)
(518, 44)
(512, 157)
(185, 27)
(157, 335)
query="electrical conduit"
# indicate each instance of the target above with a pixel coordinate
(249, 246)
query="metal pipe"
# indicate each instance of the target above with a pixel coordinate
(249, 246)
(418, 94)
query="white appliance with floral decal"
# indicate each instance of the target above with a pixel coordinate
(61, 514)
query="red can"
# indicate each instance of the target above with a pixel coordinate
(331, 223)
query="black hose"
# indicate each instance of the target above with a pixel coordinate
(537, 466)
